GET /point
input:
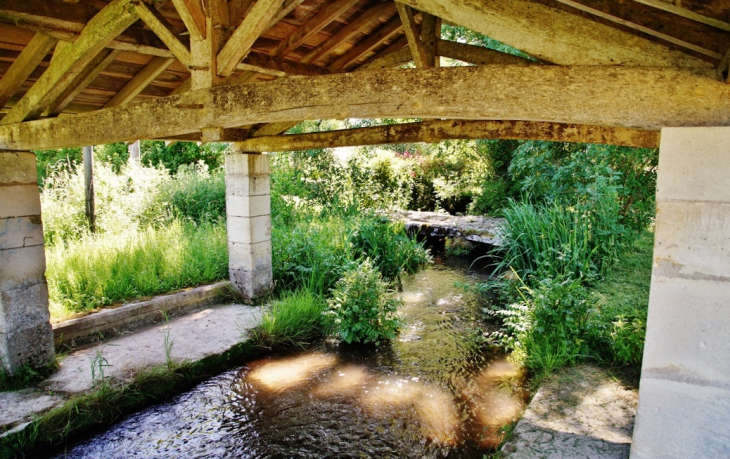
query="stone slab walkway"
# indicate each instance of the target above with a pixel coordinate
(209, 331)
(582, 412)
(472, 227)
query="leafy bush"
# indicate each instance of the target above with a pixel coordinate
(195, 194)
(155, 154)
(546, 325)
(360, 310)
(296, 319)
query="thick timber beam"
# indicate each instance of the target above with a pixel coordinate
(159, 25)
(640, 98)
(438, 130)
(413, 34)
(553, 35)
(140, 81)
(71, 60)
(192, 14)
(477, 54)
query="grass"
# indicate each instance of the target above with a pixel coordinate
(26, 376)
(109, 402)
(295, 320)
(104, 269)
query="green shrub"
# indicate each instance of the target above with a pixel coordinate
(195, 194)
(546, 326)
(296, 319)
(360, 310)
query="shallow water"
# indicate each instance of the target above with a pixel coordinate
(433, 393)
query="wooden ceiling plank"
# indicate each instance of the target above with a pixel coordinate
(356, 26)
(328, 14)
(370, 43)
(140, 81)
(83, 80)
(685, 13)
(288, 7)
(98, 33)
(555, 36)
(159, 25)
(413, 34)
(437, 130)
(192, 14)
(240, 43)
(640, 28)
(26, 62)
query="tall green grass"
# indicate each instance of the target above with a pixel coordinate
(295, 319)
(103, 269)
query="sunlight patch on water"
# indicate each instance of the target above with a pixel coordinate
(286, 373)
(346, 380)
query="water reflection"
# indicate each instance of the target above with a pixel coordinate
(432, 393)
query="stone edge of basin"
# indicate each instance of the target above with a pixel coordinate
(112, 322)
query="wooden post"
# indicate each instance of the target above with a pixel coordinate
(89, 187)
(134, 152)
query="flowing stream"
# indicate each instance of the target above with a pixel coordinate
(435, 392)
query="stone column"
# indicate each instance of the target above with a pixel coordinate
(248, 210)
(684, 397)
(26, 336)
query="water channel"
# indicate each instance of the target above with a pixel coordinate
(435, 392)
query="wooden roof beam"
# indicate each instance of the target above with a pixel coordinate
(555, 36)
(159, 25)
(438, 130)
(313, 26)
(88, 74)
(240, 43)
(72, 59)
(685, 13)
(413, 34)
(350, 30)
(192, 15)
(385, 33)
(32, 55)
(478, 55)
(140, 81)
(646, 98)
(430, 34)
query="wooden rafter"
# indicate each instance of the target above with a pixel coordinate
(288, 7)
(88, 74)
(159, 25)
(240, 43)
(140, 81)
(685, 13)
(555, 36)
(192, 15)
(640, 28)
(357, 26)
(632, 97)
(62, 72)
(383, 34)
(413, 34)
(328, 14)
(32, 55)
(437, 130)
(477, 54)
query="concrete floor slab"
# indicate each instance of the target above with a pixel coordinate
(206, 332)
(582, 412)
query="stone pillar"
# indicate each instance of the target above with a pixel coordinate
(248, 210)
(684, 397)
(26, 335)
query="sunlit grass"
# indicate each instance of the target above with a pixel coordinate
(104, 269)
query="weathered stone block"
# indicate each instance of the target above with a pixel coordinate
(249, 230)
(17, 167)
(694, 164)
(248, 206)
(240, 163)
(32, 345)
(252, 284)
(19, 201)
(23, 307)
(22, 267)
(237, 185)
(681, 420)
(20, 232)
(249, 256)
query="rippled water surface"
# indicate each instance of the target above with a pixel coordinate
(433, 393)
